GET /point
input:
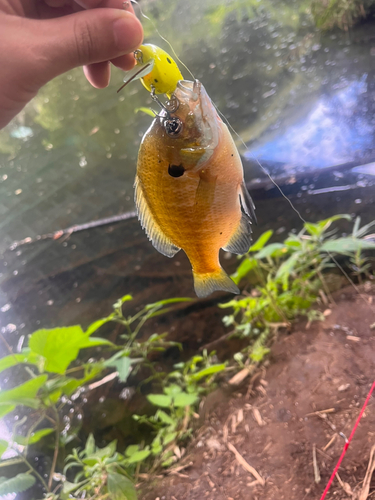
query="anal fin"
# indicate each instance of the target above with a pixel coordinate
(159, 240)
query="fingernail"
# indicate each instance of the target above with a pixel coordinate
(128, 32)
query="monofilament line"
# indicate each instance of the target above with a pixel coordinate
(163, 38)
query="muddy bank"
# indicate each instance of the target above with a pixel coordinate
(312, 389)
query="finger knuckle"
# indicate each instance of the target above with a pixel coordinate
(84, 42)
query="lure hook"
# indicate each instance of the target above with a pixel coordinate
(133, 77)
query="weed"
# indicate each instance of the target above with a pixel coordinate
(289, 277)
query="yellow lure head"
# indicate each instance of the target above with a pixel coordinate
(156, 70)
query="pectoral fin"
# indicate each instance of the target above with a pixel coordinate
(159, 240)
(205, 194)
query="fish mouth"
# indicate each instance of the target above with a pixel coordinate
(194, 96)
(188, 90)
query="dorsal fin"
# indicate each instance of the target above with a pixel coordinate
(149, 224)
(240, 241)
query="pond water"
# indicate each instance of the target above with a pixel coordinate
(302, 101)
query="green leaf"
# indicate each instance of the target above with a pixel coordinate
(16, 484)
(72, 384)
(5, 409)
(346, 245)
(261, 241)
(15, 359)
(130, 450)
(101, 453)
(270, 250)
(147, 111)
(122, 365)
(60, 346)
(97, 324)
(287, 266)
(320, 227)
(247, 265)
(208, 371)
(258, 352)
(34, 438)
(90, 445)
(70, 487)
(95, 341)
(169, 437)
(172, 389)
(25, 393)
(120, 487)
(160, 400)
(360, 232)
(183, 399)
(3, 446)
(164, 302)
(164, 417)
(120, 301)
(138, 456)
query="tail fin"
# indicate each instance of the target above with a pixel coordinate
(207, 283)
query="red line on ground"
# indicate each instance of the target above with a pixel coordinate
(346, 446)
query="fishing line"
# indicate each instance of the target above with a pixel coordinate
(363, 297)
(163, 38)
(261, 166)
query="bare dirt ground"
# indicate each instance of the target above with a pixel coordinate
(295, 408)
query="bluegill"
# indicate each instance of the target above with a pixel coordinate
(189, 188)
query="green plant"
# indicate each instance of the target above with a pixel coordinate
(104, 473)
(360, 264)
(289, 277)
(343, 14)
(172, 423)
(51, 382)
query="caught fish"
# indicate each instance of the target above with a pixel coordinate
(189, 188)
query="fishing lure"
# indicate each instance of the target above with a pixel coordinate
(156, 69)
(189, 188)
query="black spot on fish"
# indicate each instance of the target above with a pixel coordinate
(231, 154)
(155, 80)
(221, 233)
(170, 62)
(176, 170)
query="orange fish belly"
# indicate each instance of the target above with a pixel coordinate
(199, 211)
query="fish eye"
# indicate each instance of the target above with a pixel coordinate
(176, 170)
(173, 126)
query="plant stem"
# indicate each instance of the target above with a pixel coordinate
(33, 470)
(56, 452)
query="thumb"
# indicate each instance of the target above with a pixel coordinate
(87, 37)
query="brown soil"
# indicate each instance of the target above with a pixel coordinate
(311, 391)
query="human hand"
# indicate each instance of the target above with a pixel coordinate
(41, 39)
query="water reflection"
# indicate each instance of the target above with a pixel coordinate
(336, 130)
